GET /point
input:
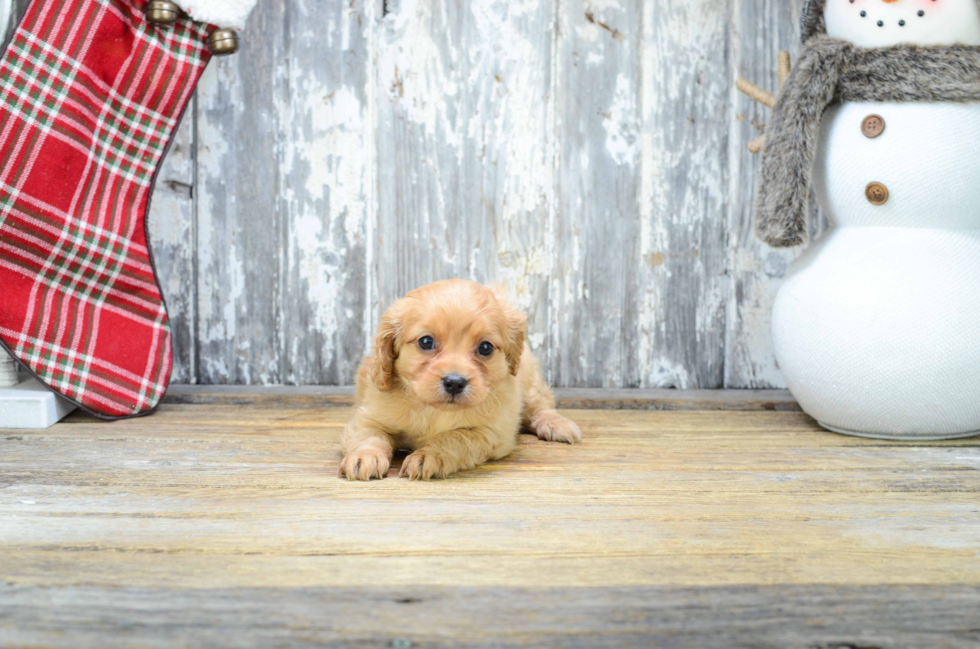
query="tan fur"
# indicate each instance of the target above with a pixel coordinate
(401, 402)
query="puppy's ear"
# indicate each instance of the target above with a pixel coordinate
(518, 331)
(385, 352)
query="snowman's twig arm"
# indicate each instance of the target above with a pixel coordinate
(784, 67)
(764, 97)
(753, 91)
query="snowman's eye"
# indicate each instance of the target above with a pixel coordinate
(864, 14)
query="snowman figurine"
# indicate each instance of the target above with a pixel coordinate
(876, 327)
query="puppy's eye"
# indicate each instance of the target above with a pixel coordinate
(485, 349)
(428, 343)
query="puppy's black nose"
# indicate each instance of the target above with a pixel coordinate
(454, 384)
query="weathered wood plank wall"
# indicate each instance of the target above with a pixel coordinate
(589, 153)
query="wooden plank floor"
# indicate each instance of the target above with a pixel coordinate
(225, 525)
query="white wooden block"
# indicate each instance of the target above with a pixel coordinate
(31, 405)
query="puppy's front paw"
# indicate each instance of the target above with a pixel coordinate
(424, 464)
(364, 464)
(552, 427)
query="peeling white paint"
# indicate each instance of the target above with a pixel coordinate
(327, 139)
(171, 234)
(620, 125)
(682, 195)
(549, 146)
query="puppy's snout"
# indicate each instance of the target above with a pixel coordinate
(454, 384)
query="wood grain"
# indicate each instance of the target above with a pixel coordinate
(682, 287)
(465, 150)
(326, 166)
(225, 525)
(591, 155)
(567, 398)
(221, 525)
(739, 617)
(240, 225)
(172, 231)
(597, 83)
(222, 496)
(759, 31)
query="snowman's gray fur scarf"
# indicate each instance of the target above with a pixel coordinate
(830, 71)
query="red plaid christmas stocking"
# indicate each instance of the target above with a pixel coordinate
(90, 96)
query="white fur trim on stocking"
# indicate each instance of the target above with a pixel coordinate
(227, 14)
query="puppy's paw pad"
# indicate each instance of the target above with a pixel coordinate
(424, 465)
(555, 428)
(364, 464)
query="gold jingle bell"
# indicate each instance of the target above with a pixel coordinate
(222, 42)
(162, 12)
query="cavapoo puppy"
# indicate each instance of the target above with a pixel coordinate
(452, 380)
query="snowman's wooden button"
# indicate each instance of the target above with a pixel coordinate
(873, 126)
(876, 193)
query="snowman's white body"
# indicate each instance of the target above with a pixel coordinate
(876, 327)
